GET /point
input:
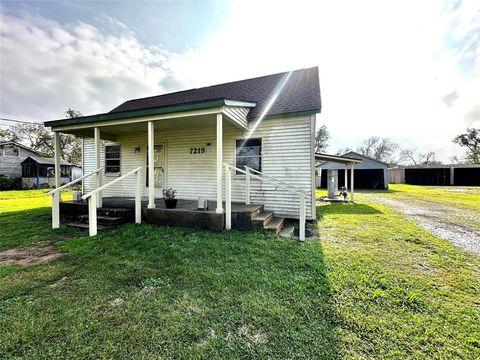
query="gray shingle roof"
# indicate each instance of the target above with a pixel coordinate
(301, 93)
(45, 160)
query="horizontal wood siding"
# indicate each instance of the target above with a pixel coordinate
(237, 114)
(286, 155)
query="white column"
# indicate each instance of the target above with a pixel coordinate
(346, 177)
(351, 182)
(56, 210)
(219, 209)
(138, 197)
(247, 186)
(56, 148)
(228, 198)
(98, 176)
(92, 215)
(151, 170)
(301, 227)
(452, 175)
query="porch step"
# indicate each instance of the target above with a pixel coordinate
(275, 224)
(105, 220)
(82, 225)
(116, 212)
(263, 217)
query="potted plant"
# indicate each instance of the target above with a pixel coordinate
(169, 198)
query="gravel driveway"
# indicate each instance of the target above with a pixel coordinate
(446, 222)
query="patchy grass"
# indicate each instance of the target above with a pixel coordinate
(374, 286)
(460, 197)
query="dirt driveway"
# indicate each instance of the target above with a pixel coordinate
(446, 222)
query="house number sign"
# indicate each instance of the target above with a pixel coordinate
(199, 149)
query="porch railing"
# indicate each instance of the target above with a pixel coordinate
(251, 173)
(56, 197)
(92, 200)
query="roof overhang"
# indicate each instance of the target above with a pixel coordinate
(104, 118)
(337, 159)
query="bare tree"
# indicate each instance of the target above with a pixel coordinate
(378, 148)
(321, 139)
(470, 140)
(343, 151)
(416, 158)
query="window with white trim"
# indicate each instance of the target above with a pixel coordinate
(112, 159)
(11, 151)
(249, 153)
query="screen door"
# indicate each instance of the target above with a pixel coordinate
(158, 165)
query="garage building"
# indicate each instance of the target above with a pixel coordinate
(369, 174)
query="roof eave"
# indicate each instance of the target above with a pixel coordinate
(147, 112)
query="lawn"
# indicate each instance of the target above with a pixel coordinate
(372, 285)
(461, 197)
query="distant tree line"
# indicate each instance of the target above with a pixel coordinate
(385, 150)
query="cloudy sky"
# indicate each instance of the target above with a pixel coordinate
(408, 70)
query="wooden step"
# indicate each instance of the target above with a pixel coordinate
(263, 217)
(275, 224)
(128, 214)
(105, 220)
(82, 225)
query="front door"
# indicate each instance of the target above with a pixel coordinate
(159, 167)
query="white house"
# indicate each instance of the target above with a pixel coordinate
(201, 141)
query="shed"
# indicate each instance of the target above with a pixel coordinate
(441, 175)
(369, 174)
(39, 172)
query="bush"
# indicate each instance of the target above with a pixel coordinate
(10, 183)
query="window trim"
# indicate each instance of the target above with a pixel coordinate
(14, 147)
(107, 173)
(239, 174)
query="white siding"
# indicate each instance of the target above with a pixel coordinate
(286, 155)
(237, 114)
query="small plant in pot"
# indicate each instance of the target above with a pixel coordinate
(169, 198)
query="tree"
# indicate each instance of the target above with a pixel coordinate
(418, 159)
(343, 151)
(321, 139)
(378, 148)
(39, 138)
(470, 140)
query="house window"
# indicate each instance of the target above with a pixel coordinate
(112, 159)
(249, 153)
(10, 151)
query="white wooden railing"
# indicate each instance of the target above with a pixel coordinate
(251, 173)
(92, 200)
(56, 198)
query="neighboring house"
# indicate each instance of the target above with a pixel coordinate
(369, 174)
(11, 156)
(77, 172)
(38, 172)
(454, 174)
(267, 123)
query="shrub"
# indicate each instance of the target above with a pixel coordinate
(10, 183)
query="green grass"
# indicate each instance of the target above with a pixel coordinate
(373, 286)
(464, 198)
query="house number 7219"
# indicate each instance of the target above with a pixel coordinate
(197, 150)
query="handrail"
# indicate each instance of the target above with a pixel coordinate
(72, 182)
(56, 198)
(276, 180)
(92, 200)
(278, 183)
(86, 196)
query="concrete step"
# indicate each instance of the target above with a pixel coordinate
(82, 225)
(262, 218)
(105, 220)
(117, 212)
(275, 224)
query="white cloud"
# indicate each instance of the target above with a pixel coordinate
(47, 67)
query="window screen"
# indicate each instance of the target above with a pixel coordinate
(249, 153)
(112, 159)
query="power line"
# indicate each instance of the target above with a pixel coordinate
(18, 121)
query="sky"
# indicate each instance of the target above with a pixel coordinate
(407, 70)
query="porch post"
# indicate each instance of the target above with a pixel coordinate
(98, 175)
(346, 177)
(151, 172)
(351, 182)
(219, 209)
(56, 147)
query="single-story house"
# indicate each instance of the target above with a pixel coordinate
(11, 156)
(369, 173)
(38, 172)
(453, 174)
(250, 142)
